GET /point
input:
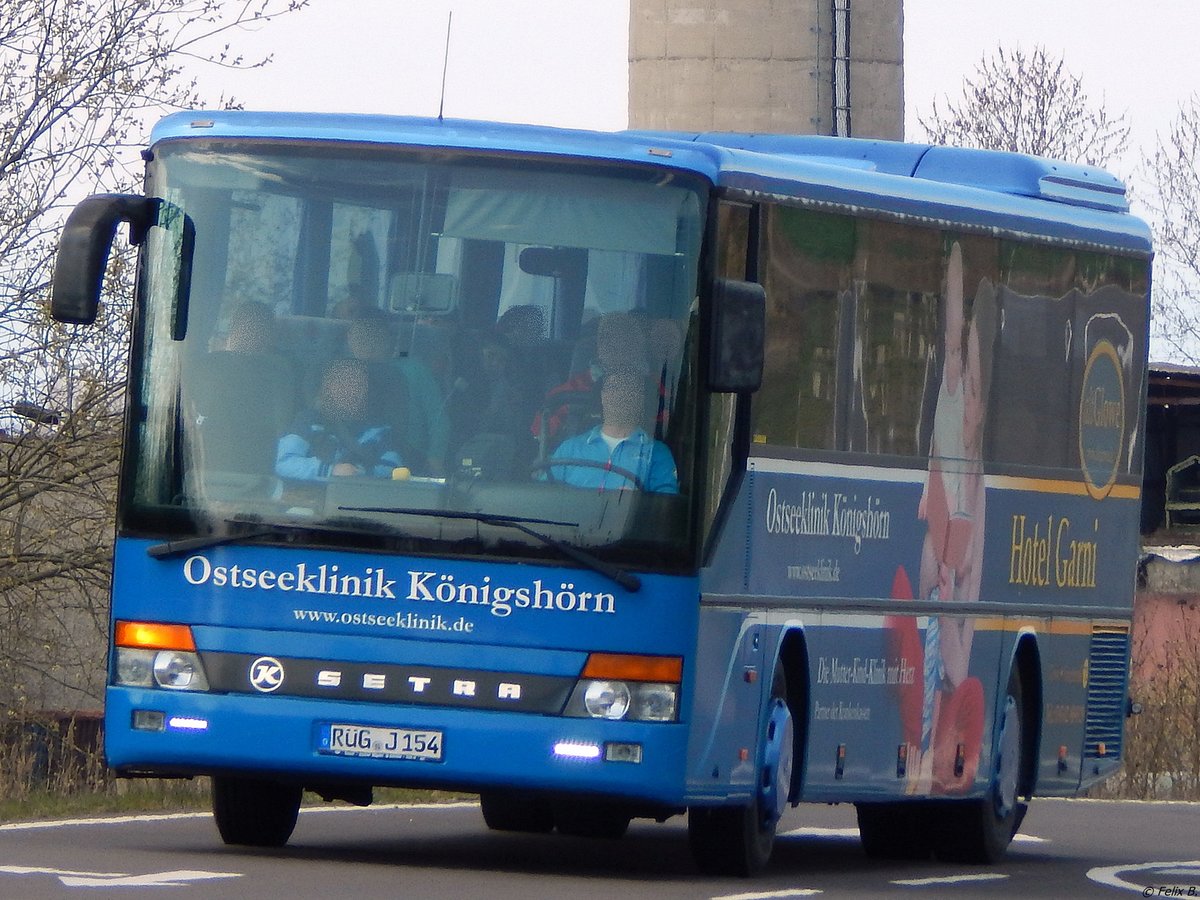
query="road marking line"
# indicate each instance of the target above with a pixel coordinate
(822, 833)
(110, 820)
(950, 879)
(152, 879)
(768, 895)
(37, 870)
(166, 817)
(383, 807)
(1100, 800)
(853, 833)
(1110, 875)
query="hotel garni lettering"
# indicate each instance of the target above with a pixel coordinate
(1050, 551)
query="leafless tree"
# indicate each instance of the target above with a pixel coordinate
(79, 82)
(1028, 103)
(1171, 178)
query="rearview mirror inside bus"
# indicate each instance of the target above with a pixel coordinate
(554, 262)
(738, 330)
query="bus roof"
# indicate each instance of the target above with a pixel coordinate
(951, 185)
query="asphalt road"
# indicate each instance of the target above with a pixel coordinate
(1068, 849)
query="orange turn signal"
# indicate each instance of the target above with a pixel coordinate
(627, 667)
(154, 636)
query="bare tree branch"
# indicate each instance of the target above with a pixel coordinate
(1028, 103)
(1172, 176)
(78, 81)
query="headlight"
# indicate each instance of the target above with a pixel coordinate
(627, 700)
(176, 670)
(135, 667)
(654, 702)
(606, 699)
(627, 686)
(179, 671)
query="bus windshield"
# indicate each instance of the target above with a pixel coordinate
(418, 347)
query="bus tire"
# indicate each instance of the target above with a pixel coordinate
(516, 811)
(255, 812)
(979, 831)
(738, 840)
(894, 830)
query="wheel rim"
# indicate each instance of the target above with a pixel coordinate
(777, 762)
(1008, 759)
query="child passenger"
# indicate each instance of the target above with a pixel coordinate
(335, 438)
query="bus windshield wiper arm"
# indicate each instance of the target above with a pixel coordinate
(168, 549)
(627, 580)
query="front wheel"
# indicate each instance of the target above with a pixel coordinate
(737, 840)
(255, 812)
(979, 831)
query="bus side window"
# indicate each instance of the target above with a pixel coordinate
(897, 338)
(807, 267)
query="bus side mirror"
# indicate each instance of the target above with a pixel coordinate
(739, 316)
(84, 247)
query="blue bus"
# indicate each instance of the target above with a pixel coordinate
(615, 475)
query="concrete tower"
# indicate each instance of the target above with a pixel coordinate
(783, 66)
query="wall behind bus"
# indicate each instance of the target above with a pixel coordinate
(766, 66)
(1162, 756)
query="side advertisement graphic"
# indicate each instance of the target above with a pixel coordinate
(946, 737)
(944, 535)
(1102, 419)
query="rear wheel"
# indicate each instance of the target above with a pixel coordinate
(979, 831)
(737, 840)
(516, 811)
(255, 812)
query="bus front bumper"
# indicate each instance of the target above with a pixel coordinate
(155, 732)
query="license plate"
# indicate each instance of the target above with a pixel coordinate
(380, 743)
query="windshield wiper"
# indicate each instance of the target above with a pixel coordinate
(627, 580)
(168, 549)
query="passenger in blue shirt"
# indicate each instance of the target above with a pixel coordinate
(334, 439)
(619, 442)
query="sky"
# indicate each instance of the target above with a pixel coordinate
(563, 62)
(554, 62)
(1134, 58)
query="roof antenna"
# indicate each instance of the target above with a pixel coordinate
(445, 65)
